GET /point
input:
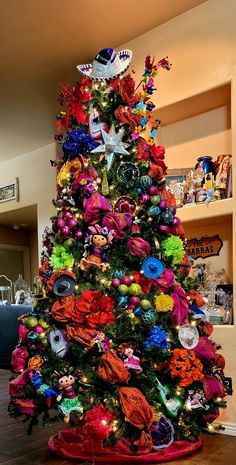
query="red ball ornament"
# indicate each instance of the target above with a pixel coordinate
(126, 280)
(115, 282)
(134, 300)
(153, 190)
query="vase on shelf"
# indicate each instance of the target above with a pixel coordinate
(205, 164)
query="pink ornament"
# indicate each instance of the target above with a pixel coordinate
(134, 300)
(61, 223)
(145, 199)
(115, 282)
(126, 280)
(72, 223)
(153, 190)
(67, 215)
(38, 329)
(164, 229)
(65, 231)
(163, 205)
(78, 234)
(176, 221)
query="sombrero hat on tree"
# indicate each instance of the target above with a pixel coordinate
(107, 64)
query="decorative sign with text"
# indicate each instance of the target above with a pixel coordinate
(204, 247)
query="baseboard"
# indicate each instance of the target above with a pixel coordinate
(229, 428)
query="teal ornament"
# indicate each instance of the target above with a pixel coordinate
(166, 217)
(32, 337)
(138, 311)
(154, 211)
(123, 301)
(128, 174)
(119, 274)
(145, 181)
(149, 317)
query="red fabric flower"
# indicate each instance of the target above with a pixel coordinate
(142, 150)
(145, 283)
(93, 309)
(98, 422)
(125, 117)
(125, 87)
(155, 172)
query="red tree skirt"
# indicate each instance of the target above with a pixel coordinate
(70, 444)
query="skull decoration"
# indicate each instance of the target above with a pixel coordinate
(58, 343)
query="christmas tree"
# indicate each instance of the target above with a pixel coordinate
(118, 341)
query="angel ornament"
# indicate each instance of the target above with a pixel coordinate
(97, 248)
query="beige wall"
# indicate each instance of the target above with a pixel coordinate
(201, 44)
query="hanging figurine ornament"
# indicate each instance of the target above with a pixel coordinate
(112, 144)
(107, 64)
(128, 174)
(95, 125)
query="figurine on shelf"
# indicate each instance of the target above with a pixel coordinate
(222, 175)
(71, 402)
(96, 249)
(132, 362)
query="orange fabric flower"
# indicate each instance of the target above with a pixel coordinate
(63, 307)
(112, 369)
(80, 334)
(185, 366)
(34, 363)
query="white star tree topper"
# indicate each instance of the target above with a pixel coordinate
(112, 144)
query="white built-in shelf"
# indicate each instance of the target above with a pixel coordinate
(201, 211)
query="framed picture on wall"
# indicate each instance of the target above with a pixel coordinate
(10, 191)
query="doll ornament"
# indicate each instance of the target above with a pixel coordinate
(132, 362)
(96, 249)
(69, 400)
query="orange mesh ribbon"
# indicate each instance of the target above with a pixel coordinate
(112, 369)
(139, 413)
(63, 307)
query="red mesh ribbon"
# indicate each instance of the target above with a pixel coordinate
(63, 307)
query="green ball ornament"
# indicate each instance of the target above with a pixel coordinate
(68, 243)
(43, 323)
(123, 289)
(31, 322)
(135, 289)
(155, 199)
(145, 304)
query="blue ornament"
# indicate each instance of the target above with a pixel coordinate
(149, 317)
(123, 301)
(145, 181)
(157, 337)
(166, 217)
(154, 211)
(119, 274)
(138, 311)
(139, 190)
(32, 337)
(152, 267)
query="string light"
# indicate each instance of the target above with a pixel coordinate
(104, 423)
(84, 379)
(76, 287)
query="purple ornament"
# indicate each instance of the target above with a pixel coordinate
(38, 329)
(164, 229)
(67, 215)
(126, 280)
(72, 223)
(61, 223)
(55, 226)
(176, 221)
(153, 190)
(78, 234)
(145, 199)
(134, 300)
(115, 282)
(65, 231)
(163, 205)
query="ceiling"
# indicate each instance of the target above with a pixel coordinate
(41, 44)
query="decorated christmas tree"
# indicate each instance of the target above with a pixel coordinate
(118, 341)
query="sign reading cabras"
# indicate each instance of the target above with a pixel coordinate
(204, 247)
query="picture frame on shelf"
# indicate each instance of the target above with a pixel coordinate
(175, 181)
(10, 191)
